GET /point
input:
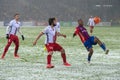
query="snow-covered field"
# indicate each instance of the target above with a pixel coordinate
(32, 64)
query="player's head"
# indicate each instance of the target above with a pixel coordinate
(80, 22)
(52, 21)
(56, 19)
(17, 16)
(91, 16)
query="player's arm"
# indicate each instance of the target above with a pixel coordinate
(8, 29)
(58, 29)
(40, 34)
(75, 32)
(59, 34)
(20, 32)
(7, 32)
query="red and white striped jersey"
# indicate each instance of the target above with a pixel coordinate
(50, 34)
(13, 27)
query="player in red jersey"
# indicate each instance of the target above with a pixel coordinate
(50, 42)
(87, 40)
(12, 29)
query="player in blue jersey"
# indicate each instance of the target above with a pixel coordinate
(88, 40)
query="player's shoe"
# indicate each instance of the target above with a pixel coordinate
(107, 51)
(2, 57)
(89, 62)
(16, 56)
(50, 66)
(67, 64)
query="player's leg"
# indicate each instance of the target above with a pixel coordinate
(57, 47)
(49, 56)
(63, 55)
(16, 42)
(88, 45)
(7, 47)
(90, 54)
(102, 45)
(91, 29)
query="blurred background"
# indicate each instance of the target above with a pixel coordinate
(38, 11)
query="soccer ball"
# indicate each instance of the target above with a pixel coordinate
(97, 20)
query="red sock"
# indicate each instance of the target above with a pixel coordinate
(16, 50)
(5, 51)
(3, 55)
(49, 59)
(64, 57)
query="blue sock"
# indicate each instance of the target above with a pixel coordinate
(89, 57)
(103, 46)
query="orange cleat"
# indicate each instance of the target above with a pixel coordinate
(67, 64)
(50, 66)
(2, 57)
(16, 56)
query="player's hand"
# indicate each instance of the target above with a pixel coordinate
(7, 36)
(64, 36)
(74, 35)
(23, 38)
(34, 43)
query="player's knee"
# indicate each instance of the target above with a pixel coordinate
(50, 53)
(96, 39)
(63, 51)
(91, 51)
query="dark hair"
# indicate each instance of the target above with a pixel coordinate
(80, 20)
(16, 14)
(51, 20)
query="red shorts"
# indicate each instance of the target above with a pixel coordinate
(91, 27)
(53, 47)
(13, 38)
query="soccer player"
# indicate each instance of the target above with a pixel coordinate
(87, 40)
(57, 27)
(11, 30)
(50, 42)
(91, 24)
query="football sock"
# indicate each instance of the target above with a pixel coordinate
(89, 57)
(5, 51)
(49, 59)
(63, 55)
(103, 46)
(16, 49)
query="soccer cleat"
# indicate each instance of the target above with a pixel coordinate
(16, 55)
(107, 51)
(67, 64)
(2, 57)
(89, 62)
(50, 66)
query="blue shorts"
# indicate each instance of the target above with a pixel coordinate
(88, 44)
